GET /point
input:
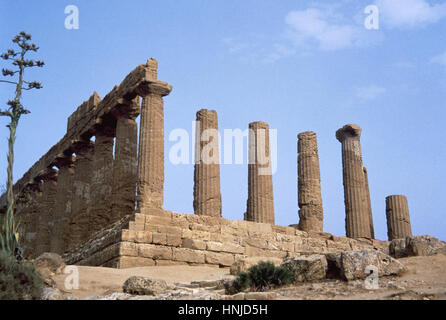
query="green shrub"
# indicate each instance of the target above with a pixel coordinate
(266, 275)
(18, 280)
(240, 283)
(260, 277)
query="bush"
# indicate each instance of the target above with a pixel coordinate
(260, 277)
(18, 280)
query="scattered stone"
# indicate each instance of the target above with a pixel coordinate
(353, 264)
(416, 246)
(313, 267)
(144, 286)
(51, 294)
(424, 246)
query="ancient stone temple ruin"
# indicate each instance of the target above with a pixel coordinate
(97, 195)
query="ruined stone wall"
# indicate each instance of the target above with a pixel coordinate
(79, 186)
(158, 237)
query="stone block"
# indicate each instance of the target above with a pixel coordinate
(193, 244)
(222, 259)
(188, 255)
(155, 252)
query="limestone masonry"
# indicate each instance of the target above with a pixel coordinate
(97, 195)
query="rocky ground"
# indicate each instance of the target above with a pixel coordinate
(425, 279)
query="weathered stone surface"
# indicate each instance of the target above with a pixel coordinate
(424, 246)
(62, 206)
(243, 264)
(309, 183)
(221, 259)
(310, 268)
(398, 219)
(51, 294)
(397, 248)
(207, 196)
(46, 214)
(357, 220)
(260, 204)
(353, 265)
(78, 229)
(124, 167)
(102, 180)
(50, 261)
(145, 286)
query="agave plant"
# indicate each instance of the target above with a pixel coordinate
(9, 235)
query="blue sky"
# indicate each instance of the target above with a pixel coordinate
(298, 65)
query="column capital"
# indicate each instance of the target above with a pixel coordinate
(306, 135)
(155, 87)
(258, 125)
(348, 131)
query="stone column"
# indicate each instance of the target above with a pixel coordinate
(102, 180)
(150, 182)
(207, 196)
(357, 219)
(398, 219)
(46, 211)
(124, 168)
(62, 207)
(27, 211)
(83, 172)
(369, 202)
(260, 205)
(309, 183)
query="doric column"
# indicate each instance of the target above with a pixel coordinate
(27, 210)
(260, 205)
(82, 178)
(309, 183)
(63, 203)
(46, 211)
(357, 220)
(124, 167)
(150, 181)
(398, 219)
(207, 196)
(102, 180)
(369, 202)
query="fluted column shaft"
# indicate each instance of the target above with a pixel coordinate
(63, 204)
(260, 204)
(357, 219)
(369, 202)
(207, 196)
(82, 180)
(125, 168)
(151, 153)
(102, 180)
(398, 219)
(46, 212)
(309, 183)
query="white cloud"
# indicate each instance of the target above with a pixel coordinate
(321, 28)
(440, 59)
(368, 93)
(410, 13)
